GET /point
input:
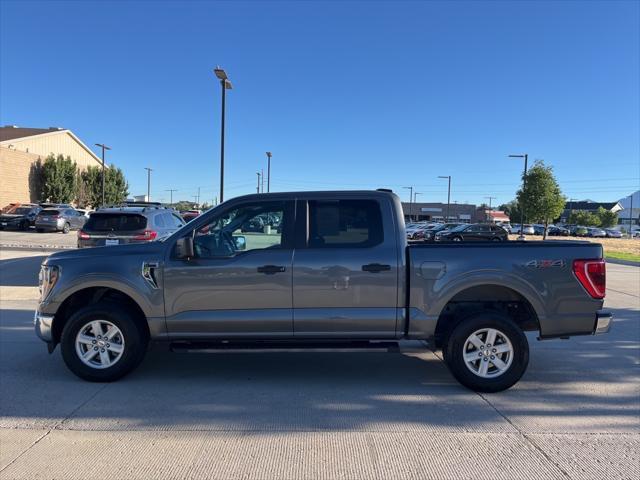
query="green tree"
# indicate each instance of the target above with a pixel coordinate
(512, 210)
(59, 177)
(607, 218)
(584, 218)
(185, 205)
(541, 199)
(116, 188)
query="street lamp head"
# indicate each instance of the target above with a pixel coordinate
(517, 156)
(220, 73)
(444, 176)
(269, 154)
(227, 85)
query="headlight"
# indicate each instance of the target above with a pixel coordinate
(47, 279)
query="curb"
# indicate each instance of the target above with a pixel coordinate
(619, 261)
(41, 248)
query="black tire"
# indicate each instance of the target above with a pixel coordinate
(457, 239)
(39, 230)
(24, 225)
(66, 228)
(496, 239)
(135, 342)
(455, 350)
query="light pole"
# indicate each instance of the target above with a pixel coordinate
(448, 177)
(524, 186)
(258, 187)
(225, 83)
(415, 198)
(149, 170)
(410, 201)
(490, 198)
(171, 190)
(269, 155)
(631, 216)
(104, 147)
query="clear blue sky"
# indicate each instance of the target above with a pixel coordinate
(345, 95)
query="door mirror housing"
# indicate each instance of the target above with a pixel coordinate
(240, 242)
(184, 247)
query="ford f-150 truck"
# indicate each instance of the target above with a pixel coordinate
(324, 268)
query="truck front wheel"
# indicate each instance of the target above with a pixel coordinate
(487, 352)
(102, 342)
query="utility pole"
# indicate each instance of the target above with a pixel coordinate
(524, 186)
(198, 197)
(631, 217)
(171, 190)
(448, 177)
(262, 180)
(410, 201)
(225, 83)
(258, 186)
(104, 147)
(490, 198)
(149, 170)
(269, 155)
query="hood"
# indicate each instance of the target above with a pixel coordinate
(115, 251)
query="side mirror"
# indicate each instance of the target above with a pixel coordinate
(240, 242)
(184, 247)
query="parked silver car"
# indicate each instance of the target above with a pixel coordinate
(59, 220)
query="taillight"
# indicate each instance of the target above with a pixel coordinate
(147, 235)
(592, 275)
(83, 235)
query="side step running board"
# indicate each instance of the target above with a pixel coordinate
(282, 346)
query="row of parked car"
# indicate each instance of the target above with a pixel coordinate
(455, 232)
(564, 230)
(130, 222)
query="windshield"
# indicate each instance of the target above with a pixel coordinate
(459, 228)
(20, 211)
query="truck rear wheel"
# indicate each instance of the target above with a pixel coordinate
(102, 343)
(487, 352)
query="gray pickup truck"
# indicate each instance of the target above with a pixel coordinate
(318, 269)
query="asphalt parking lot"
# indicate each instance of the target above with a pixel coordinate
(575, 414)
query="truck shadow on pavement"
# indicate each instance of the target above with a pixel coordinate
(587, 384)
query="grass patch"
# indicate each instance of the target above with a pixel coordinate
(633, 257)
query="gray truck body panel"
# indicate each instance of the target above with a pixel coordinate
(324, 293)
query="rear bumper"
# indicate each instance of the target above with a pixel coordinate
(603, 322)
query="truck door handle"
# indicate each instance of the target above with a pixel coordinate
(376, 268)
(271, 269)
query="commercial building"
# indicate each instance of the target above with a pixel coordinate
(21, 149)
(630, 213)
(436, 212)
(587, 206)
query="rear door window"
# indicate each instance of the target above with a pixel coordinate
(118, 222)
(345, 223)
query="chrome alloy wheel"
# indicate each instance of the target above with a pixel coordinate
(488, 353)
(99, 344)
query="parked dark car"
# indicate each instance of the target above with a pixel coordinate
(556, 231)
(430, 235)
(579, 231)
(611, 233)
(121, 225)
(189, 215)
(21, 217)
(475, 232)
(59, 220)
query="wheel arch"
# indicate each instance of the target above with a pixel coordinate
(91, 295)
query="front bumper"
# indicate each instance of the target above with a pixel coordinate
(603, 322)
(43, 325)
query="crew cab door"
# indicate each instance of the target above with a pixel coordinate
(345, 273)
(238, 284)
